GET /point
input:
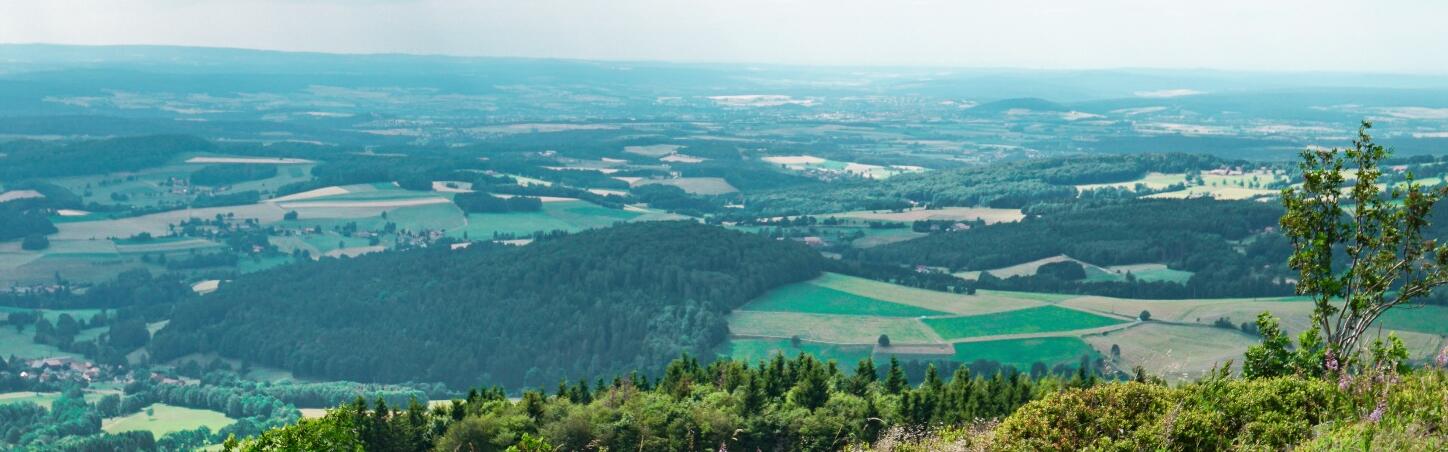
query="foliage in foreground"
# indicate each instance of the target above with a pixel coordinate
(781, 404)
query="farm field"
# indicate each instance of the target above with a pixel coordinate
(980, 303)
(885, 236)
(166, 419)
(987, 214)
(1177, 352)
(1022, 353)
(1293, 311)
(1220, 193)
(1044, 319)
(1149, 272)
(755, 350)
(1152, 181)
(566, 216)
(816, 299)
(839, 329)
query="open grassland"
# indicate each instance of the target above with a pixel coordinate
(1294, 314)
(980, 303)
(987, 214)
(1151, 272)
(1044, 319)
(1152, 181)
(1178, 352)
(22, 344)
(815, 299)
(839, 329)
(1037, 296)
(76, 268)
(565, 216)
(166, 419)
(1022, 353)
(884, 236)
(44, 399)
(754, 350)
(164, 245)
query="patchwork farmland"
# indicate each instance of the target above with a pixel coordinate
(843, 317)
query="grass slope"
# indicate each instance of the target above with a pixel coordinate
(1024, 321)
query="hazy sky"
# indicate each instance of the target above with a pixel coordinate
(1379, 36)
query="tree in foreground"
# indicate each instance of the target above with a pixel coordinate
(1358, 247)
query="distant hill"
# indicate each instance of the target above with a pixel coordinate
(601, 302)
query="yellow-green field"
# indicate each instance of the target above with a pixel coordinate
(165, 419)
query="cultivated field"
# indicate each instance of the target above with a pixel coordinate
(1044, 319)
(754, 350)
(987, 214)
(838, 329)
(815, 299)
(1178, 352)
(961, 304)
(1152, 181)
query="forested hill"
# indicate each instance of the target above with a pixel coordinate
(600, 302)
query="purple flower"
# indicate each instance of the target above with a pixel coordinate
(1377, 413)
(1331, 361)
(1443, 358)
(1343, 381)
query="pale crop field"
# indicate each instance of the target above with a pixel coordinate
(1152, 181)
(980, 303)
(839, 329)
(1293, 314)
(987, 214)
(1177, 352)
(653, 150)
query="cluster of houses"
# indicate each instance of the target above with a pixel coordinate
(60, 368)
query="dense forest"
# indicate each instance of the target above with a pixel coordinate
(1224, 243)
(34, 159)
(602, 302)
